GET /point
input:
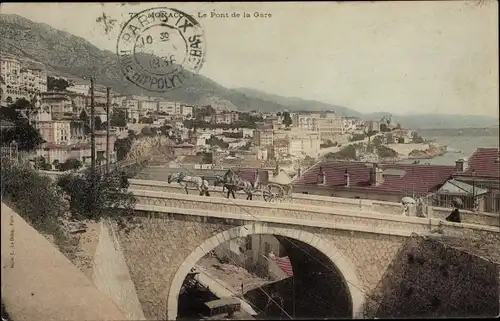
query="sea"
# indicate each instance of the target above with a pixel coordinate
(463, 141)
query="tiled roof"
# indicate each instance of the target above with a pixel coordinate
(485, 162)
(417, 178)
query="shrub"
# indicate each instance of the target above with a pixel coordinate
(88, 202)
(34, 197)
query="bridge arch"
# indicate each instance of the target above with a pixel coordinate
(346, 268)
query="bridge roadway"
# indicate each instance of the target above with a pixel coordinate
(304, 210)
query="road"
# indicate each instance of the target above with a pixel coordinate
(221, 288)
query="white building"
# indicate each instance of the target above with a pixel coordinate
(187, 110)
(145, 107)
(18, 81)
(169, 107)
(301, 142)
(55, 131)
(131, 107)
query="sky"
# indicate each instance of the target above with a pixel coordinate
(398, 57)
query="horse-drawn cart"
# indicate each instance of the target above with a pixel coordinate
(278, 189)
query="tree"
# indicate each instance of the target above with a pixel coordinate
(278, 114)
(26, 137)
(346, 153)
(123, 146)
(165, 130)
(357, 137)
(214, 141)
(385, 152)
(287, 120)
(9, 100)
(41, 163)
(147, 131)
(70, 164)
(85, 202)
(22, 103)
(57, 84)
(146, 120)
(118, 118)
(384, 128)
(416, 138)
(377, 141)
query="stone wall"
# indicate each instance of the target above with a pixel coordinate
(154, 248)
(429, 278)
(157, 245)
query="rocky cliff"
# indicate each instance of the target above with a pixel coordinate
(432, 151)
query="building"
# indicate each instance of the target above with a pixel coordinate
(307, 122)
(263, 137)
(131, 106)
(33, 80)
(280, 148)
(384, 182)
(145, 107)
(482, 170)
(184, 149)
(18, 81)
(330, 126)
(302, 143)
(169, 107)
(60, 104)
(61, 132)
(100, 145)
(187, 110)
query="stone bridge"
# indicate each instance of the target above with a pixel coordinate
(339, 248)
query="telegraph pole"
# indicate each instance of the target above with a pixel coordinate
(92, 140)
(92, 126)
(108, 123)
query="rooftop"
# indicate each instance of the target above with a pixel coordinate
(418, 178)
(485, 162)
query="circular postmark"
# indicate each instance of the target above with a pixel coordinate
(159, 48)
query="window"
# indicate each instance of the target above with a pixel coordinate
(305, 192)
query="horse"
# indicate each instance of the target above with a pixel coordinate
(184, 180)
(232, 182)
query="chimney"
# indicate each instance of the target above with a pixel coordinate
(346, 178)
(376, 175)
(321, 176)
(459, 165)
(299, 172)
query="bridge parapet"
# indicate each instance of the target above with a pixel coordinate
(295, 214)
(490, 219)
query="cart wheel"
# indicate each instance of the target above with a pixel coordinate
(268, 196)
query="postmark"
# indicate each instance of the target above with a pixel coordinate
(159, 48)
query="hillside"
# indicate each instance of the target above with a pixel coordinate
(416, 121)
(298, 104)
(74, 57)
